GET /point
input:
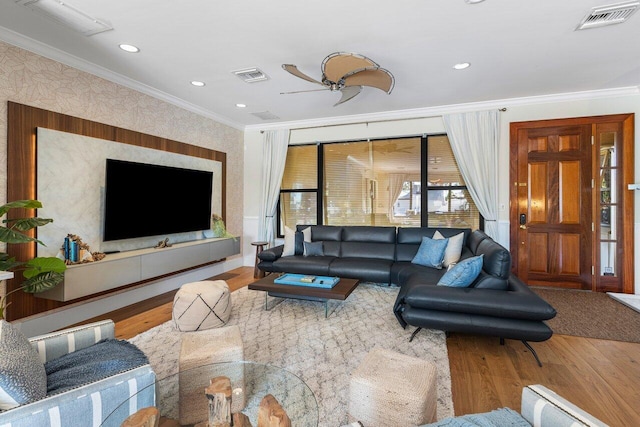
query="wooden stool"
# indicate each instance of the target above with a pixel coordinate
(257, 273)
(389, 389)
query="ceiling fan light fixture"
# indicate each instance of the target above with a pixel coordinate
(461, 66)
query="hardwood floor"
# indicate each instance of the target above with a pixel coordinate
(600, 376)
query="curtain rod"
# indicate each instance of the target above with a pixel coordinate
(371, 121)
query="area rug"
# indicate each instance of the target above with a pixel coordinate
(591, 315)
(323, 352)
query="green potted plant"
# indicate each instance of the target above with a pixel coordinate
(40, 273)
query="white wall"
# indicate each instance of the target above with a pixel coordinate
(576, 105)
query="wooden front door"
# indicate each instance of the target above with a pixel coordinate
(554, 214)
(571, 214)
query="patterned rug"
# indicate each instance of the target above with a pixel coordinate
(323, 352)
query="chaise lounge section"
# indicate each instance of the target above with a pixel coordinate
(496, 303)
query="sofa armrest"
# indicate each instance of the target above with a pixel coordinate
(271, 254)
(542, 407)
(487, 302)
(90, 404)
(57, 344)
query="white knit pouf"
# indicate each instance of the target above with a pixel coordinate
(389, 389)
(201, 305)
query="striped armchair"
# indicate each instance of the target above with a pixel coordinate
(88, 404)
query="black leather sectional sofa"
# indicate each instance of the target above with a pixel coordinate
(497, 303)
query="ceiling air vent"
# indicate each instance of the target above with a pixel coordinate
(608, 15)
(266, 115)
(251, 75)
(67, 15)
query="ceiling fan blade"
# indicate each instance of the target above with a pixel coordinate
(348, 93)
(294, 70)
(378, 77)
(304, 91)
(338, 64)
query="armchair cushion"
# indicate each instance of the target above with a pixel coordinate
(23, 378)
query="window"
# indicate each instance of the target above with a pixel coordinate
(406, 182)
(449, 204)
(299, 189)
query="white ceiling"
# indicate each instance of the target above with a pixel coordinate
(516, 49)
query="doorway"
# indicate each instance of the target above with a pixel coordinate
(571, 213)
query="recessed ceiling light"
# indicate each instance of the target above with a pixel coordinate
(129, 48)
(473, 1)
(241, 105)
(462, 66)
(197, 83)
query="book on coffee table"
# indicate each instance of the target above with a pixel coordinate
(306, 280)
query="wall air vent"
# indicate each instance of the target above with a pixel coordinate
(266, 115)
(608, 15)
(251, 75)
(67, 15)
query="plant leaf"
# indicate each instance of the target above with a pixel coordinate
(7, 263)
(24, 224)
(41, 265)
(42, 282)
(26, 204)
(10, 236)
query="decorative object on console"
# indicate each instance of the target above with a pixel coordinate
(163, 244)
(75, 251)
(218, 228)
(40, 273)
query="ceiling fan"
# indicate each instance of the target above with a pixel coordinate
(347, 73)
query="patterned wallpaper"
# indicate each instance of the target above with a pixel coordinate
(33, 80)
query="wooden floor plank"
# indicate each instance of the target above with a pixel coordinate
(601, 376)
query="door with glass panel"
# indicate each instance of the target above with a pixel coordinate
(571, 215)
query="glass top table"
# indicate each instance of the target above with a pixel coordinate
(181, 399)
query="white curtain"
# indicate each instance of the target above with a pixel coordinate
(274, 156)
(474, 141)
(395, 188)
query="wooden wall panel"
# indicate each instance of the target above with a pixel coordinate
(22, 123)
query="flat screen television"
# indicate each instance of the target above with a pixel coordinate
(152, 200)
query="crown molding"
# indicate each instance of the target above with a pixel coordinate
(423, 113)
(58, 55)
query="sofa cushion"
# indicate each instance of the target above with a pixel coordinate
(302, 235)
(289, 242)
(497, 259)
(431, 252)
(366, 269)
(23, 378)
(410, 238)
(454, 248)
(313, 249)
(325, 232)
(405, 272)
(316, 265)
(462, 274)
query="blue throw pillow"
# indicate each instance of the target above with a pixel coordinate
(431, 252)
(313, 249)
(462, 274)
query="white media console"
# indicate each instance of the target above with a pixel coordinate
(124, 268)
